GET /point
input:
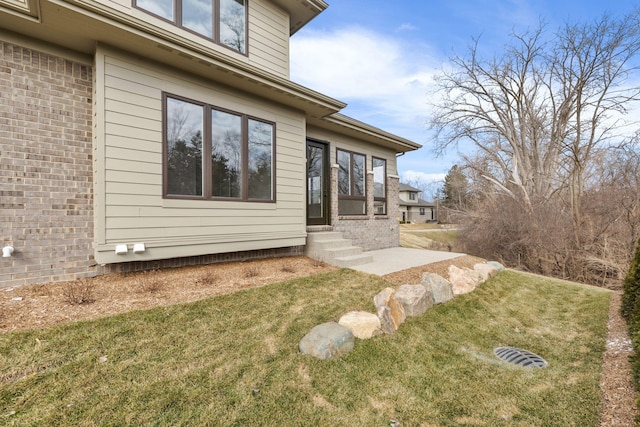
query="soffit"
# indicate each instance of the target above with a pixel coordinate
(80, 25)
(347, 126)
(301, 11)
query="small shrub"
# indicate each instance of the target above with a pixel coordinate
(317, 263)
(251, 271)
(78, 292)
(208, 278)
(150, 282)
(287, 268)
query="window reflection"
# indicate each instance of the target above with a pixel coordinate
(260, 160)
(197, 15)
(184, 147)
(226, 154)
(233, 24)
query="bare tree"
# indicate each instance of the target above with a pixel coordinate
(553, 189)
(539, 113)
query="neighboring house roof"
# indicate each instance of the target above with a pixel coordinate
(407, 187)
(420, 204)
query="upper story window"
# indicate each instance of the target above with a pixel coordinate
(212, 153)
(412, 196)
(351, 183)
(223, 21)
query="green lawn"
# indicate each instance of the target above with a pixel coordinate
(233, 361)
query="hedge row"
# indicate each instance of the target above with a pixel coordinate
(631, 312)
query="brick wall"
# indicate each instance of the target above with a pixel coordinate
(368, 231)
(46, 203)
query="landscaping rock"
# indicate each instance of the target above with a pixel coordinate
(440, 287)
(363, 325)
(327, 341)
(463, 280)
(497, 265)
(415, 299)
(390, 310)
(487, 271)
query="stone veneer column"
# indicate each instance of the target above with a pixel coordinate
(46, 182)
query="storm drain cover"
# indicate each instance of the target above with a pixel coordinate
(520, 357)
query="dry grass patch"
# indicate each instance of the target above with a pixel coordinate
(233, 360)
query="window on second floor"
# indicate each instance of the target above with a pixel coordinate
(412, 196)
(223, 21)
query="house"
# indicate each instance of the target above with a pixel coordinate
(413, 208)
(139, 134)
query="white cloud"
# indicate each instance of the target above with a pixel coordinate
(407, 27)
(380, 77)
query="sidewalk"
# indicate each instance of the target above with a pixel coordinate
(390, 260)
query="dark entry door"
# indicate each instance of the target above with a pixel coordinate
(317, 183)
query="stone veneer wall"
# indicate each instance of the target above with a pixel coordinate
(46, 184)
(369, 231)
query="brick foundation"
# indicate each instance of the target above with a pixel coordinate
(46, 201)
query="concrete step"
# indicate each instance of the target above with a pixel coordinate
(353, 260)
(323, 236)
(330, 247)
(344, 251)
(332, 244)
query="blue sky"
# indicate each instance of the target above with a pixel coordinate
(381, 56)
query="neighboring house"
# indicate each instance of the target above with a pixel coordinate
(140, 134)
(413, 208)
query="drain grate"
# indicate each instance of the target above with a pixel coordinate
(520, 357)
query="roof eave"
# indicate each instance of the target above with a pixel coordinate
(301, 12)
(352, 127)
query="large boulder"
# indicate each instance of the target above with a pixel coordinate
(487, 271)
(463, 280)
(363, 325)
(327, 341)
(496, 264)
(440, 287)
(415, 299)
(390, 310)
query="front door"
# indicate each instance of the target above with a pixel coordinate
(317, 183)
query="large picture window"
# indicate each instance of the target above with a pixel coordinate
(241, 150)
(379, 186)
(223, 21)
(351, 183)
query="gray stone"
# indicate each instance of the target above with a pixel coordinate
(390, 311)
(363, 325)
(487, 271)
(463, 280)
(440, 287)
(416, 299)
(327, 341)
(497, 265)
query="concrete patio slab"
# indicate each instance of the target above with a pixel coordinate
(390, 260)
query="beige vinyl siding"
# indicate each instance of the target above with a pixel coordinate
(267, 42)
(131, 208)
(269, 37)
